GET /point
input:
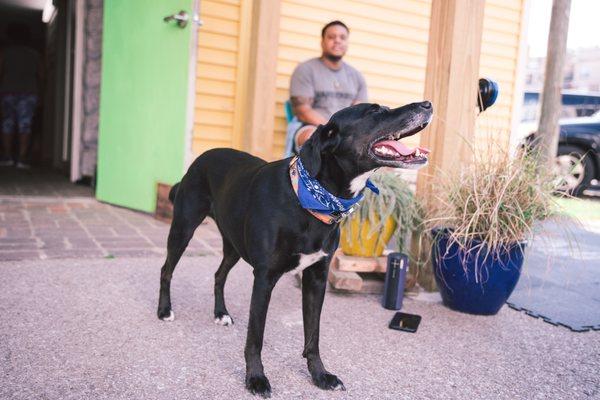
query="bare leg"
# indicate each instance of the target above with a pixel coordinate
(24, 140)
(304, 134)
(7, 142)
(314, 282)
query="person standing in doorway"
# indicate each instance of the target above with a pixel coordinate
(20, 76)
(321, 86)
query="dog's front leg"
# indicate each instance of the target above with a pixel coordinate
(256, 381)
(314, 284)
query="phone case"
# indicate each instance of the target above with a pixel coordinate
(405, 322)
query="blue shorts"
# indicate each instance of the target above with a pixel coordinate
(17, 112)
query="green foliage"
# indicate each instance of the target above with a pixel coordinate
(395, 200)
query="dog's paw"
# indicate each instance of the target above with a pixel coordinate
(223, 319)
(328, 381)
(168, 317)
(259, 385)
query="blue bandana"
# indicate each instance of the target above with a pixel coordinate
(315, 197)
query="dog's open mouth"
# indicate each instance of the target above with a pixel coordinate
(388, 150)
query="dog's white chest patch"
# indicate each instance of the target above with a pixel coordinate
(306, 260)
(357, 184)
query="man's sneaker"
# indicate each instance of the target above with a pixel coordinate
(22, 165)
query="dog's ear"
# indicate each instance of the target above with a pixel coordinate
(324, 138)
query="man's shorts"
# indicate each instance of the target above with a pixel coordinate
(291, 146)
(17, 112)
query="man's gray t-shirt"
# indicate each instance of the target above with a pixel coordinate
(331, 89)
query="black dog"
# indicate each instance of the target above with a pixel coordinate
(261, 220)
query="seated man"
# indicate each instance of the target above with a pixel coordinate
(321, 86)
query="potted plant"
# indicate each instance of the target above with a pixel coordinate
(480, 227)
(377, 218)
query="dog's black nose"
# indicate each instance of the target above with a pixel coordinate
(426, 105)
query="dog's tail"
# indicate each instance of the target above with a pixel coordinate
(173, 192)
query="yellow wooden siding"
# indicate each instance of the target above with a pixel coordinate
(388, 44)
(217, 84)
(500, 48)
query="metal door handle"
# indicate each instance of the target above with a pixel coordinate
(181, 17)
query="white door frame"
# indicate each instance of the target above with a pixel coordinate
(191, 98)
(77, 104)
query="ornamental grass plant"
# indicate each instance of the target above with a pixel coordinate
(494, 203)
(396, 200)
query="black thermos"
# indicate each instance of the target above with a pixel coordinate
(395, 275)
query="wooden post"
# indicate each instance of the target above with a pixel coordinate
(451, 84)
(259, 117)
(553, 79)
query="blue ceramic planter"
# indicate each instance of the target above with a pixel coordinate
(470, 282)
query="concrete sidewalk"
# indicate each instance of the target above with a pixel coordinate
(86, 329)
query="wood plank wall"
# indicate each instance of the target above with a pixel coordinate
(219, 54)
(388, 43)
(500, 47)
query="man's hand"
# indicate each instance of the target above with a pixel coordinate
(302, 107)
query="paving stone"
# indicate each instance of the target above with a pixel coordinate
(133, 252)
(68, 224)
(74, 253)
(19, 234)
(17, 240)
(85, 228)
(124, 230)
(160, 243)
(19, 255)
(127, 245)
(74, 205)
(94, 231)
(81, 242)
(54, 246)
(214, 242)
(18, 246)
(42, 231)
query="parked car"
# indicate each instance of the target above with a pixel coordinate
(578, 158)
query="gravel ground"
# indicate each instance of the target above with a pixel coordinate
(86, 329)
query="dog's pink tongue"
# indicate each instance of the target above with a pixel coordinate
(398, 146)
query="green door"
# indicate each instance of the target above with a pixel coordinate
(143, 100)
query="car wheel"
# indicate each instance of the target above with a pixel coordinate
(574, 170)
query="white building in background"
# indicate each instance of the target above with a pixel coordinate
(582, 71)
(585, 70)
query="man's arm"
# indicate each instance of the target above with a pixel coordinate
(302, 93)
(303, 110)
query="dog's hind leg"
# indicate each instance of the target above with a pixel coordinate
(230, 258)
(188, 213)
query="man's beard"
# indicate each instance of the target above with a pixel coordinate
(332, 57)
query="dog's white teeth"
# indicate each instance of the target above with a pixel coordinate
(417, 153)
(384, 151)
